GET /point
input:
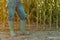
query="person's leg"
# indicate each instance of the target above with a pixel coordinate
(10, 21)
(11, 10)
(22, 16)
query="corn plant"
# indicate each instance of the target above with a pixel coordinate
(39, 12)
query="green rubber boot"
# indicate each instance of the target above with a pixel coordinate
(11, 28)
(23, 27)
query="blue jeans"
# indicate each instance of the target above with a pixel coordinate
(15, 5)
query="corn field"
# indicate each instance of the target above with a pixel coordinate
(42, 15)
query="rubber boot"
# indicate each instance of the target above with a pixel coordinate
(23, 27)
(11, 28)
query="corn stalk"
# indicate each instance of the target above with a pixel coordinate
(56, 11)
